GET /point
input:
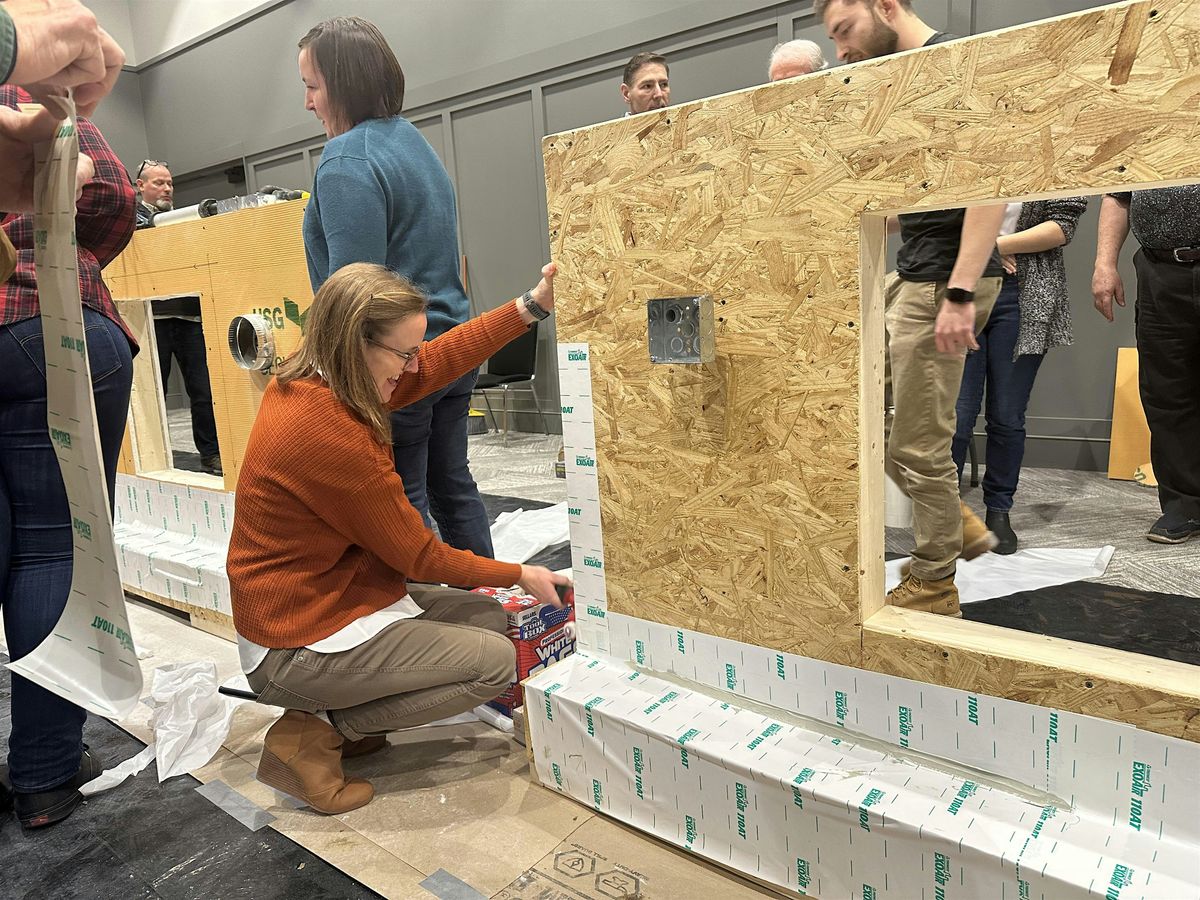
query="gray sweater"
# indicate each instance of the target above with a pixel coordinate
(1045, 303)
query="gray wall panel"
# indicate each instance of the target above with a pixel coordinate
(584, 101)
(991, 14)
(290, 171)
(209, 184)
(187, 97)
(122, 123)
(431, 130)
(724, 65)
(501, 219)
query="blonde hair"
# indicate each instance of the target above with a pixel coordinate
(359, 303)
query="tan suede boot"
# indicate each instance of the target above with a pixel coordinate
(939, 597)
(363, 746)
(302, 756)
(977, 538)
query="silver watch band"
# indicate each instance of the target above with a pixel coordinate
(534, 310)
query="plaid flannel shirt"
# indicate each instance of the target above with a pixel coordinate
(103, 226)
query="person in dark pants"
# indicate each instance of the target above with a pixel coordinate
(47, 758)
(181, 336)
(178, 330)
(382, 195)
(1031, 315)
(1166, 222)
(429, 440)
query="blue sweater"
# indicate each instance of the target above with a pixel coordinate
(382, 195)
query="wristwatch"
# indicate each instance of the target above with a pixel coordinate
(531, 305)
(959, 295)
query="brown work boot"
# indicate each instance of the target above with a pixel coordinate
(939, 597)
(363, 746)
(977, 537)
(302, 756)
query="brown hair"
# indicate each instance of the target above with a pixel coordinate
(645, 58)
(362, 75)
(357, 304)
(820, 6)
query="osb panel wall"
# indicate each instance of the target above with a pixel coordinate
(251, 261)
(730, 492)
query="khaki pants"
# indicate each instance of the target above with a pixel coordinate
(448, 660)
(923, 385)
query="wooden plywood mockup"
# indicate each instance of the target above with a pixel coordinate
(251, 261)
(744, 497)
(1129, 447)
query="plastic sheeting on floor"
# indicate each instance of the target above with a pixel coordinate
(523, 533)
(993, 575)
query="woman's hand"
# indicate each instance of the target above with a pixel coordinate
(1009, 261)
(539, 581)
(543, 294)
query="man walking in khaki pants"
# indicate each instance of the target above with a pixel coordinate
(947, 277)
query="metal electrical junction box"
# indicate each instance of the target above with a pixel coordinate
(681, 329)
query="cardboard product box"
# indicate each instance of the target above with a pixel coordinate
(528, 617)
(533, 655)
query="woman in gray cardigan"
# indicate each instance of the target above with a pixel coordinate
(1031, 315)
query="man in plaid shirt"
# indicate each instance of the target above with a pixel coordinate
(103, 226)
(47, 758)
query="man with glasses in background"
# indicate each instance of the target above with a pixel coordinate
(178, 330)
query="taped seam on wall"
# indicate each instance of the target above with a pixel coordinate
(826, 816)
(583, 496)
(173, 540)
(1091, 762)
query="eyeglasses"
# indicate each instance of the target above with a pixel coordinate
(407, 357)
(149, 162)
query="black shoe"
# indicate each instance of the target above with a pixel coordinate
(997, 523)
(47, 807)
(212, 465)
(1173, 528)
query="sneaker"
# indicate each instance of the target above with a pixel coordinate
(978, 539)
(939, 597)
(997, 524)
(43, 808)
(1173, 528)
(212, 465)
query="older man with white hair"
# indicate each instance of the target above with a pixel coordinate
(793, 58)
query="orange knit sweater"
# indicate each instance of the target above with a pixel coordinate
(322, 531)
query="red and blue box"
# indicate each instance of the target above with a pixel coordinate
(539, 633)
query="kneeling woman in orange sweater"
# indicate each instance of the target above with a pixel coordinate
(325, 543)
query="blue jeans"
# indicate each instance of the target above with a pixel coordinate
(46, 741)
(429, 439)
(1008, 384)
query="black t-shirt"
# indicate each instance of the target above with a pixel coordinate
(930, 240)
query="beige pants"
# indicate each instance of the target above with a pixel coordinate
(448, 660)
(924, 386)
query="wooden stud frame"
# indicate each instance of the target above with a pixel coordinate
(743, 498)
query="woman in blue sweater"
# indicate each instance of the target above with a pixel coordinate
(381, 195)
